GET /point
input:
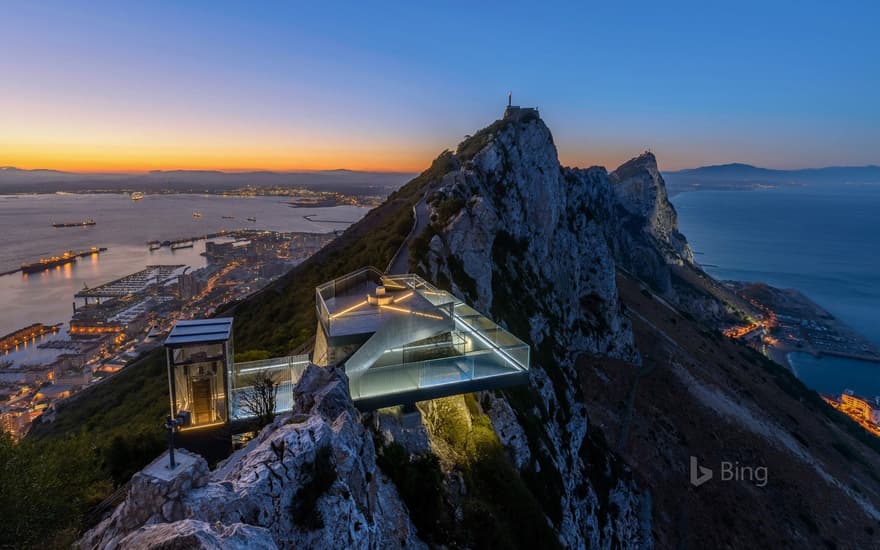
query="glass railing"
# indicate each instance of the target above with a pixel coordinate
(406, 377)
(285, 372)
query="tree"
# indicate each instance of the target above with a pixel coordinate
(259, 400)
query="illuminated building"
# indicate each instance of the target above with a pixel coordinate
(199, 355)
(402, 340)
(861, 408)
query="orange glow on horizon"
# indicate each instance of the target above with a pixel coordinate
(240, 162)
(133, 159)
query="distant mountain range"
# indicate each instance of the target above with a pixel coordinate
(738, 176)
(17, 180)
(722, 176)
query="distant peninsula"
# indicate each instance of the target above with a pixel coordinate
(739, 176)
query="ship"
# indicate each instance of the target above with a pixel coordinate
(24, 335)
(137, 195)
(75, 224)
(197, 214)
(155, 246)
(50, 262)
(177, 246)
(252, 220)
(228, 217)
(54, 261)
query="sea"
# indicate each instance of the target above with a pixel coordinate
(823, 240)
(122, 226)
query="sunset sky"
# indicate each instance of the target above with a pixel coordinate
(102, 86)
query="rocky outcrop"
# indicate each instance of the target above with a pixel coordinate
(527, 242)
(187, 534)
(641, 191)
(309, 480)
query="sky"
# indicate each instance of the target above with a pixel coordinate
(126, 86)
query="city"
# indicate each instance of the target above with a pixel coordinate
(115, 322)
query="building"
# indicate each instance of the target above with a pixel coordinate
(189, 286)
(402, 340)
(862, 408)
(199, 355)
(399, 339)
(15, 421)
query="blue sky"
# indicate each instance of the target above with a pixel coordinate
(388, 85)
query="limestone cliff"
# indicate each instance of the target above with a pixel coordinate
(641, 191)
(527, 241)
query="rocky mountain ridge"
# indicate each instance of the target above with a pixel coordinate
(587, 267)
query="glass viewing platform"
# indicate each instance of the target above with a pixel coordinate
(403, 340)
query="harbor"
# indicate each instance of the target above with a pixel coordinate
(791, 322)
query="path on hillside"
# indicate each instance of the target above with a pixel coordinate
(400, 262)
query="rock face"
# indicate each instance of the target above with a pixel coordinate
(309, 480)
(527, 242)
(641, 191)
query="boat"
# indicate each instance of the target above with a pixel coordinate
(137, 195)
(27, 334)
(50, 262)
(197, 214)
(178, 246)
(54, 261)
(252, 220)
(228, 217)
(155, 246)
(75, 224)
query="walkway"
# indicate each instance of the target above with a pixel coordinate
(399, 264)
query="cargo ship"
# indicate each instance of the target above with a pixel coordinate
(178, 246)
(137, 195)
(54, 261)
(75, 224)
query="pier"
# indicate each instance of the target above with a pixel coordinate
(311, 218)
